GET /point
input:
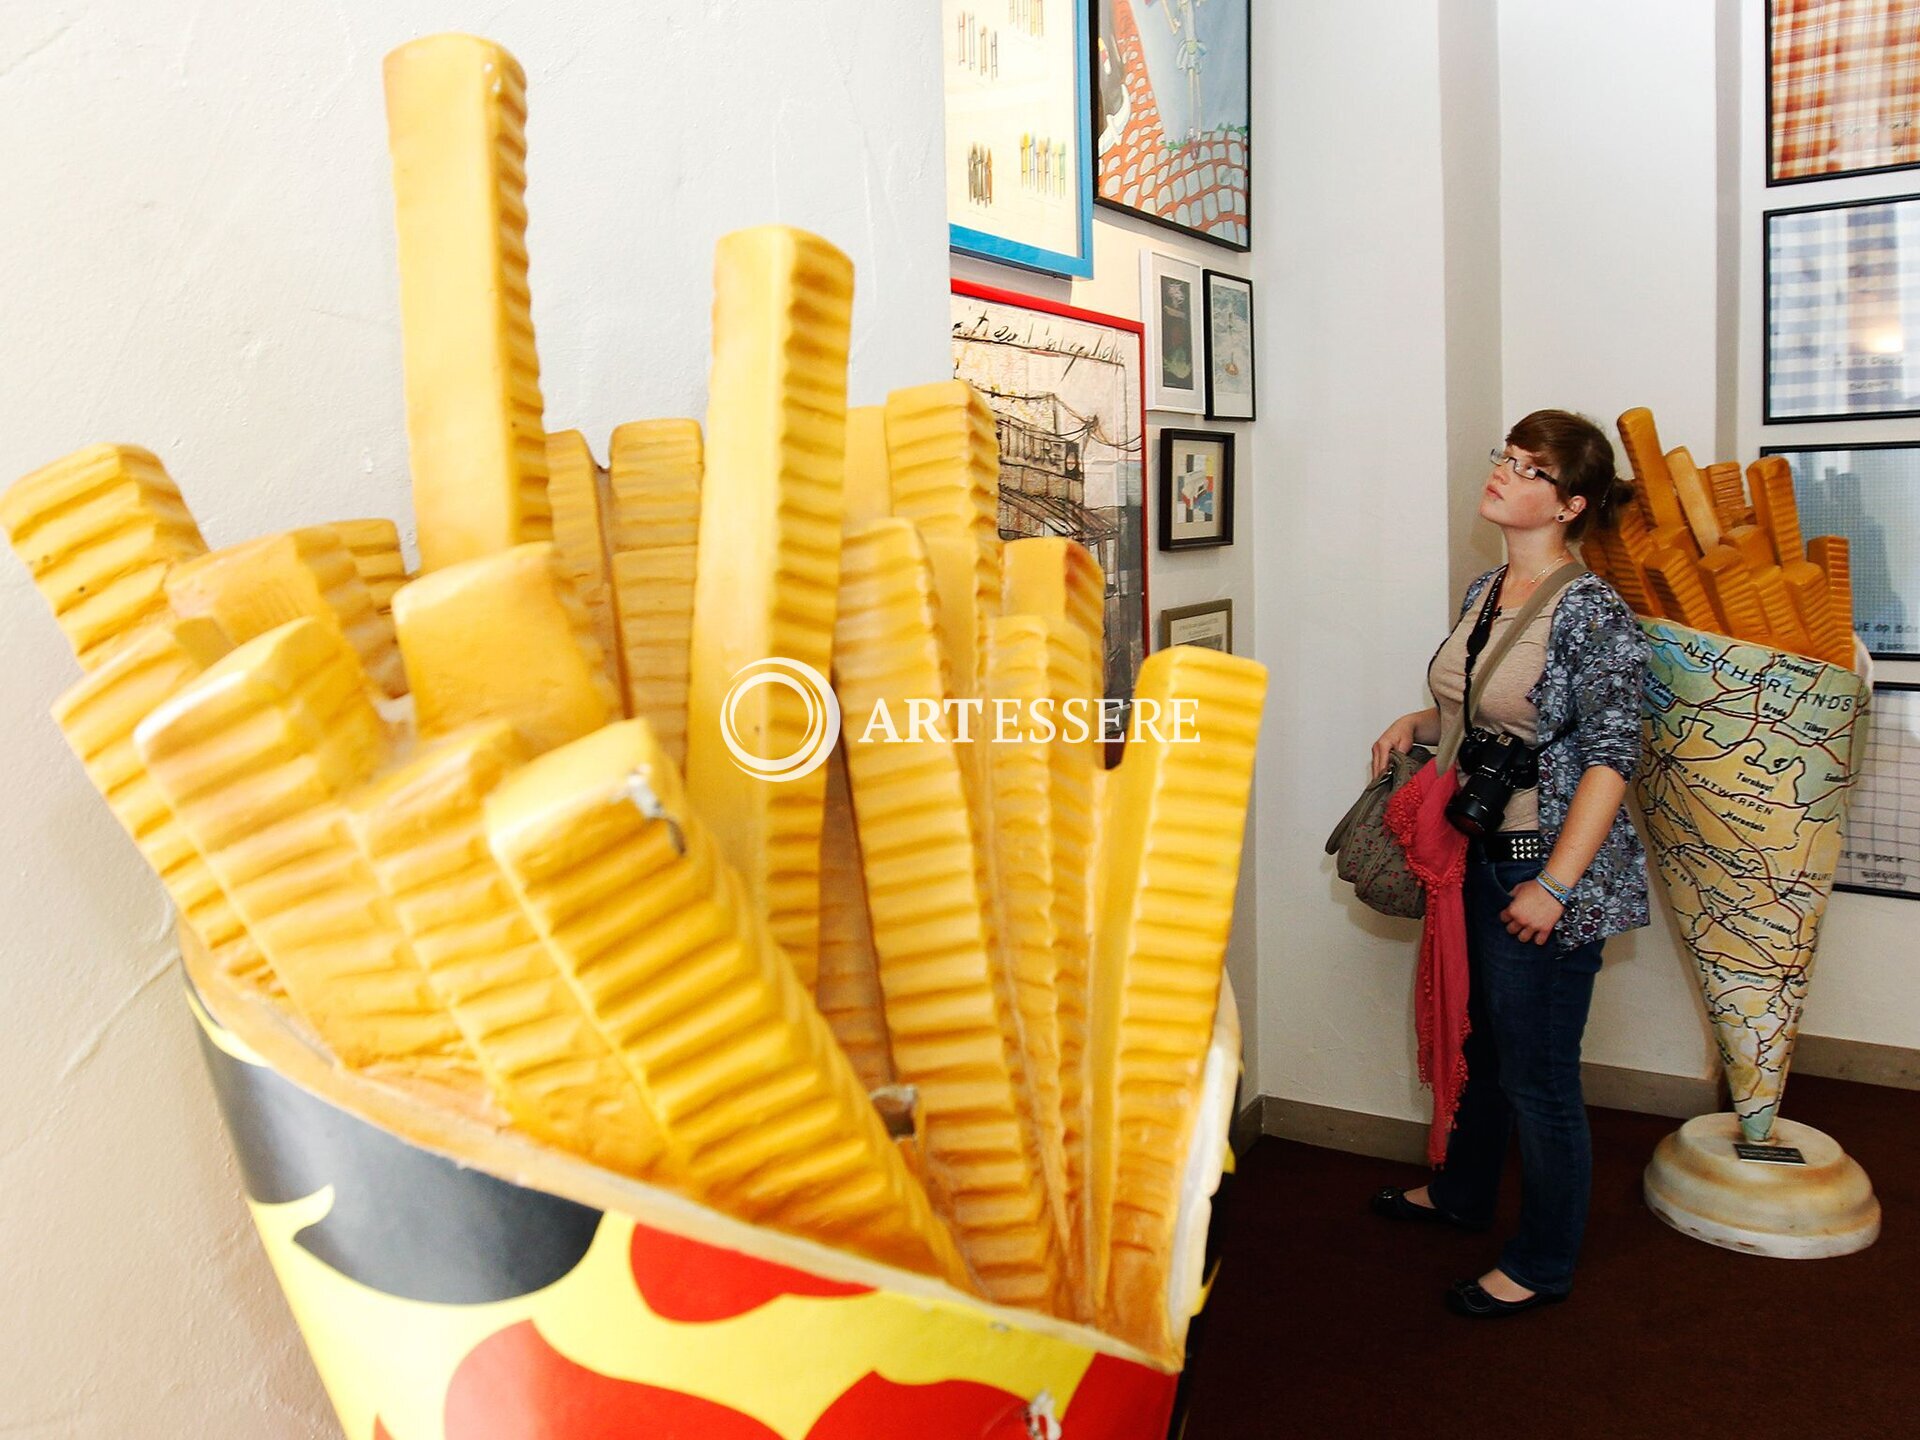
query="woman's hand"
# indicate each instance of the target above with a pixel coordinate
(1397, 737)
(1532, 913)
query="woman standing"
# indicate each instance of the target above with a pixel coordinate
(1556, 874)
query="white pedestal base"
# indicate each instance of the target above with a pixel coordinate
(1698, 1184)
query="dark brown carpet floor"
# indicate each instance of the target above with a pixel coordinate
(1327, 1321)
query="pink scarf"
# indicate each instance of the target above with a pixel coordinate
(1437, 856)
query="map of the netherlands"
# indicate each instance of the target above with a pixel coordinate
(1750, 757)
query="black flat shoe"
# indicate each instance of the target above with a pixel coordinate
(1466, 1297)
(1392, 1203)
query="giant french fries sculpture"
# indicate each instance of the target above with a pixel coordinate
(1753, 706)
(605, 1047)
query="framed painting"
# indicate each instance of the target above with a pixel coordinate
(1208, 625)
(1881, 852)
(1172, 87)
(1065, 389)
(1841, 282)
(1843, 88)
(1871, 495)
(1170, 299)
(1229, 311)
(1019, 132)
(1196, 489)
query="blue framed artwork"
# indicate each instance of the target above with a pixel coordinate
(1020, 132)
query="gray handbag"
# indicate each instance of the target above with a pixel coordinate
(1368, 857)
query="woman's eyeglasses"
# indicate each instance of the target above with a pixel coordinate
(1500, 456)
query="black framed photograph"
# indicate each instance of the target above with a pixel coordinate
(1208, 625)
(1843, 89)
(1840, 281)
(1229, 307)
(1196, 489)
(1172, 114)
(1881, 852)
(1870, 495)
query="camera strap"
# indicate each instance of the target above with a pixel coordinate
(1477, 642)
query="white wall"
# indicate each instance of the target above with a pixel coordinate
(1350, 535)
(1864, 987)
(199, 255)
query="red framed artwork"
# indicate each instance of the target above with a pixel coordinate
(1065, 388)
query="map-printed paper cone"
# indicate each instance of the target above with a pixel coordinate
(1750, 755)
(457, 1282)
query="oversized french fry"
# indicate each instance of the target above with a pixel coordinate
(1659, 502)
(1773, 500)
(260, 585)
(653, 482)
(1729, 582)
(503, 637)
(375, 547)
(1696, 500)
(1783, 618)
(848, 988)
(1754, 546)
(1806, 582)
(98, 531)
(456, 125)
(869, 472)
(1616, 567)
(950, 1006)
(579, 541)
(1057, 578)
(98, 716)
(1729, 494)
(1168, 869)
(655, 591)
(768, 573)
(758, 1108)
(423, 830)
(1673, 579)
(255, 757)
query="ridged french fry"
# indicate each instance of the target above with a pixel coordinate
(456, 126)
(260, 585)
(423, 830)
(1754, 546)
(375, 547)
(1729, 582)
(97, 717)
(1729, 494)
(768, 572)
(758, 1108)
(1058, 578)
(1807, 583)
(1673, 578)
(1783, 619)
(869, 473)
(1773, 499)
(255, 757)
(1169, 866)
(1696, 501)
(1659, 503)
(655, 589)
(950, 1010)
(653, 479)
(98, 531)
(503, 637)
(1618, 568)
(848, 988)
(573, 490)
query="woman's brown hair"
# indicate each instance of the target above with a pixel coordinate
(1578, 451)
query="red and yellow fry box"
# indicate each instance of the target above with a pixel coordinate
(457, 1282)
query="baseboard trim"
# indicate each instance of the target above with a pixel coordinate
(1648, 1092)
(1247, 1126)
(1861, 1060)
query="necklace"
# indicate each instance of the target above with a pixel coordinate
(1552, 565)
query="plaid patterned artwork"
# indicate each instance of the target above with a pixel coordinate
(1843, 311)
(1843, 86)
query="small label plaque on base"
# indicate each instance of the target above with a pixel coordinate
(1770, 1154)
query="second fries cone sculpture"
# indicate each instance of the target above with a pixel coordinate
(1750, 755)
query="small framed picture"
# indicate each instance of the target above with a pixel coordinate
(1170, 299)
(1208, 625)
(1196, 489)
(1229, 307)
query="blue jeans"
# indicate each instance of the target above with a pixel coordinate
(1527, 1007)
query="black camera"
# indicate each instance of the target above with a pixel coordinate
(1492, 766)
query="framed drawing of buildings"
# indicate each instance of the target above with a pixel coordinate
(1870, 494)
(1173, 81)
(1019, 132)
(1843, 88)
(1842, 286)
(1880, 854)
(1065, 389)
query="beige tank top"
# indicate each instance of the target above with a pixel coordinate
(1503, 700)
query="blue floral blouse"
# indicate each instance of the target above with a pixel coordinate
(1591, 690)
